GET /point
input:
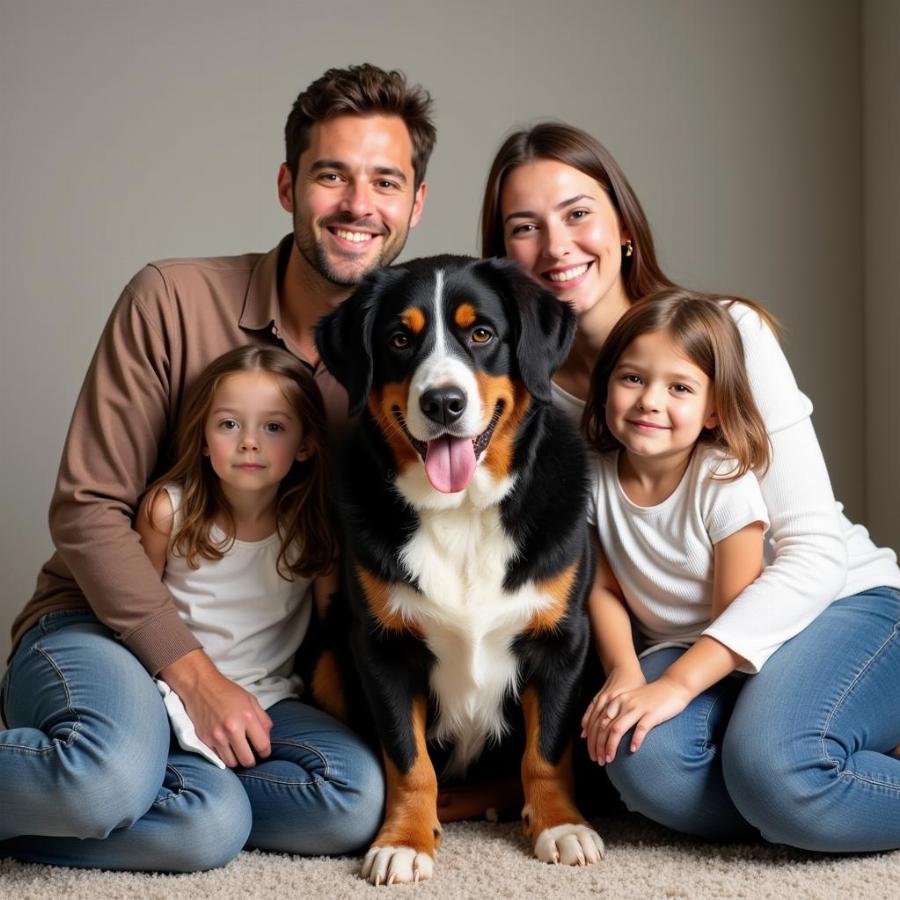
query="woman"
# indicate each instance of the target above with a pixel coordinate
(801, 751)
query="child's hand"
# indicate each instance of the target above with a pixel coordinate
(641, 709)
(620, 679)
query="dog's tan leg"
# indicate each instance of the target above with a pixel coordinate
(551, 819)
(403, 850)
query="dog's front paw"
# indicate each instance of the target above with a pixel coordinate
(569, 845)
(396, 865)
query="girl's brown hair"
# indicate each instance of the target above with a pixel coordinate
(303, 515)
(702, 328)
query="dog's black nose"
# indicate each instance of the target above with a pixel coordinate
(443, 405)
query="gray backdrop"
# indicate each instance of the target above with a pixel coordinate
(761, 136)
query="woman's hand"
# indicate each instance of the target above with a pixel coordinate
(620, 680)
(228, 719)
(642, 709)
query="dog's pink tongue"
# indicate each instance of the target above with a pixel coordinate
(450, 463)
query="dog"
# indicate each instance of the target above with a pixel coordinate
(467, 558)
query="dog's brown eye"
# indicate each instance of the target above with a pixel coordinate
(482, 335)
(400, 341)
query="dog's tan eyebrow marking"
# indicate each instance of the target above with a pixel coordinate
(465, 315)
(414, 319)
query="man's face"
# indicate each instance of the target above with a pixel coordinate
(353, 200)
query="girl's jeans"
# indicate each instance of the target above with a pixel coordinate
(90, 777)
(798, 753)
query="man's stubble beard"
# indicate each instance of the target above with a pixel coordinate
(313, 251)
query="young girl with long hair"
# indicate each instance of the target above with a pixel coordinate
(238, 528)
(802, 751)
(677, 509)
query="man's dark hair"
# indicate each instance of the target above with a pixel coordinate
(363, 90)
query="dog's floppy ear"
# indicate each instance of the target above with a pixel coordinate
(544, 325)
(344, 339)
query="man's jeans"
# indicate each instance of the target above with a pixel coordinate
(797, 753)
(90, 777)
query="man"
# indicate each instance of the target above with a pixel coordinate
(86, 771)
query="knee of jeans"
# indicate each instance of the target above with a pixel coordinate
(647, 781)
(104, 792)
(777, 782)
(357, 805)
(207, 824)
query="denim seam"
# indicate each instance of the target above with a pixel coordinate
(73, 733)
(173, 795)
(709, 747)
(283, 781)
(834, 762)
(292, 782)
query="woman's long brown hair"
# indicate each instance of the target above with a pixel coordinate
(641, 272)
(573, 147)
(303, 514)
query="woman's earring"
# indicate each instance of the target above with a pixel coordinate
(629, 248)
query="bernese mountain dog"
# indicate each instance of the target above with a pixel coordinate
(467, 560)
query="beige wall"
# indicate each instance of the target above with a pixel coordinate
(135, 130)
(881, 257)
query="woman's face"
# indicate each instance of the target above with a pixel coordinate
(561, 226)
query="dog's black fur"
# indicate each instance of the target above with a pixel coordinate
(404, 334)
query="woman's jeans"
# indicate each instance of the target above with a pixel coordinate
(89, 775)
(798, 753)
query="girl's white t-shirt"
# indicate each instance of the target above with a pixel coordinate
(662, 555)
(248, 618)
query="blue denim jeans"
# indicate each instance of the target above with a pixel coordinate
(90, 777)
(798, 753)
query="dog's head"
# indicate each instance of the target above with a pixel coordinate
(448, 353)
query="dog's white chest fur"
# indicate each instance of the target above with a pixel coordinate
(459, 558)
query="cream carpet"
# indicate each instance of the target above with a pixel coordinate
(484, 860)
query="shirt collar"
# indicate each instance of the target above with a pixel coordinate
(262, 309)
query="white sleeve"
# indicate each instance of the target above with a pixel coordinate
(809, 568)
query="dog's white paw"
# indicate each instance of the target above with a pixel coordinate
(396, 865)
(569, 845)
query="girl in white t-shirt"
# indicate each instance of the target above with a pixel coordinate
(677, 507)
(239, 531)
